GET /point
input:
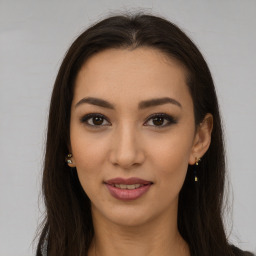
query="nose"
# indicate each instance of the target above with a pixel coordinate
(127, 148)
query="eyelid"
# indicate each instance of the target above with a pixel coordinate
(86, 117)
(169, 118)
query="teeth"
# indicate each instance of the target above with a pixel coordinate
(124, 186)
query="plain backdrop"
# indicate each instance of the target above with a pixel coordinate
(34, 36)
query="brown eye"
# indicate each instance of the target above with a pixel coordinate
(97, 120)
(161, 120)
(158, 121)
(94, 120)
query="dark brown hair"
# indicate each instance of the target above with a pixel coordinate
(68, 226)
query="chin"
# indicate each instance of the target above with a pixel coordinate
(128, 220)
(128, 215)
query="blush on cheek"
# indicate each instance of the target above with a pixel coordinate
(85, 177)
(174, 169)
(85, 155)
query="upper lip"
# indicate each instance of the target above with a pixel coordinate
(129, 181)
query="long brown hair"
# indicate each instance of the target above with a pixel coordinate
(68, 226)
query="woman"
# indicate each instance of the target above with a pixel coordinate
(134, 161)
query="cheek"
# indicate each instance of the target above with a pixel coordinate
(171, 158)
(87, 159)
(87, 149)
(88, 153)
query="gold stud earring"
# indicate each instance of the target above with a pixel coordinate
(197, 160)
(195, 173)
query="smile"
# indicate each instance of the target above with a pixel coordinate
(124, 186)
(127, 189)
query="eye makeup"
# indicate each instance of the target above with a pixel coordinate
(156, 120)
(161, 120)
(95, 120)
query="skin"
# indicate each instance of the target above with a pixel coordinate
(129, 144)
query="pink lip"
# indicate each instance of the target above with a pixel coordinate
(128, 194)
(130, 181)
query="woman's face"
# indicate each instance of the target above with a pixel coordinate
(132, 134)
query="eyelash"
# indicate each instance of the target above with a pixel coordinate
(171, 120)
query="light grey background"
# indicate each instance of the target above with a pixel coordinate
(34, 36)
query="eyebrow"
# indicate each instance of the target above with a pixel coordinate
(157, 102)
(142, 104)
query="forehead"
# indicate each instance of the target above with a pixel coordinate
(130, 74)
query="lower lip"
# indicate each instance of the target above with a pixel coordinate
(127, 194)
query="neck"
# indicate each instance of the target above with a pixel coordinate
(158, 237)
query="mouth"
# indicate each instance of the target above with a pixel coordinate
(124, 186)
(128, 189)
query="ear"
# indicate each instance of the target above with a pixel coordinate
(202, 139)
(72, 164)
